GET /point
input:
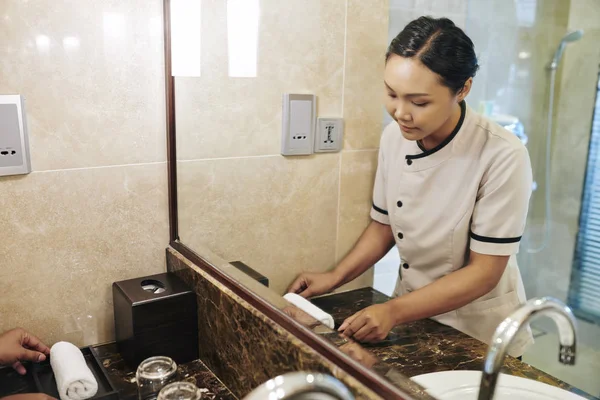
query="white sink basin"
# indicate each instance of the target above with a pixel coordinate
(464, 385)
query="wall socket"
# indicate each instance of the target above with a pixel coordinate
(330, 135)
(14, 142)
(298, 127)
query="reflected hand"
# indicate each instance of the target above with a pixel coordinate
(313, 284)
(29, 396)
(372, 324)
(359, 354)
(301, 317)
(19, 345)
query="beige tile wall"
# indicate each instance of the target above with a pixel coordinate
(94, 210)
(238, 196)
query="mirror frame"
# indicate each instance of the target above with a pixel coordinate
(369, 378)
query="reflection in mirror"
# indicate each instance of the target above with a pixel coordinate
(284, 216)
(186, 43)
(242, 37)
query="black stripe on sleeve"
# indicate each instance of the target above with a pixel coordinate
(495, 240)
(379, 210)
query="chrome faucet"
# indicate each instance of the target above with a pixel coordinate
(301, 385)
(510, 327)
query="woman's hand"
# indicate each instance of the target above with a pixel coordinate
(29, 396)
(372, 324)
(311, 284)
(19, 345)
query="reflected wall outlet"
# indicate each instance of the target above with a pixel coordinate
(330, 135)
(297, 131)
(14, 143)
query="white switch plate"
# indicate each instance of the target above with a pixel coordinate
(14, 142)
(297, 131)
(330, 135)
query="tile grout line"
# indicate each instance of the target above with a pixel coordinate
(98, 167)
(181, 161)
(228, 158)
(266, 156)
(339, 199)
(360, 150)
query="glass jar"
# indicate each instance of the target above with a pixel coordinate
(153, 374)
(180, 391)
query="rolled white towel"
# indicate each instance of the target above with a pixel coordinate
(74, 379)
(310, 309)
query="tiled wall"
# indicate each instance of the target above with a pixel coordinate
(94, 210)
(238, 196)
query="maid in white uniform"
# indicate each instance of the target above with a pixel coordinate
(451, 192)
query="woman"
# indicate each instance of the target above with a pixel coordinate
(451, 191)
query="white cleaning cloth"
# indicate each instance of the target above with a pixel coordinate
(310, 309)
(74, 379)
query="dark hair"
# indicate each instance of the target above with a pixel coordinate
(441, 46)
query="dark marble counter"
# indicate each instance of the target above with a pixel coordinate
(123, 377)
(426, 346)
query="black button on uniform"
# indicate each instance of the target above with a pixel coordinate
(400, 235)
(405, 266)
(399, 203)
(409, 161)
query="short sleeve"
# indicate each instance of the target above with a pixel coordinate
(502, 202)
(379, 211)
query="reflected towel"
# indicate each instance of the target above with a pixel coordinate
(310, 309)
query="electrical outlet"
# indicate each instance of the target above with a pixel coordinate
(297, 131)
(14, 144)
(330, 135)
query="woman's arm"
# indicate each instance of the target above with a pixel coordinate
(374, 243)
(453, 291)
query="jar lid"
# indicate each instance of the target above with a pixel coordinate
(157, 368)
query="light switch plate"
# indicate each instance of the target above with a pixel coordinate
(14, 141)
(298, 126)
(329, 136)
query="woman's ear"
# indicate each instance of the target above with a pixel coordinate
(460, 96)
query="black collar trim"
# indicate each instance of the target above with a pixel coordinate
(425, 153)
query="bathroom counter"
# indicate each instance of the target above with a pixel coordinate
(123, 377)
(425, 346)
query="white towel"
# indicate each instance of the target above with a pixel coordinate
(74, 379)
(310, 309)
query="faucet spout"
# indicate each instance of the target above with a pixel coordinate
(301, 385)
(560, 313)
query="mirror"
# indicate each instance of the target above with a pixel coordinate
(241, 199)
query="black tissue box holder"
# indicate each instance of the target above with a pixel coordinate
(155, 315)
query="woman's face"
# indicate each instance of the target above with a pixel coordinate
(416, 99)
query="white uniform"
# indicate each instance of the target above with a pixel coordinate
(470, 192)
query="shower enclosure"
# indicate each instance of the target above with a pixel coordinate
(538, 69)
(539, 73)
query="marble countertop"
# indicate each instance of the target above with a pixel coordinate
(123, 377)
(426, 346)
